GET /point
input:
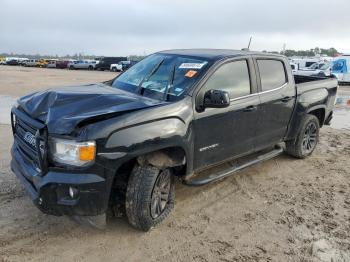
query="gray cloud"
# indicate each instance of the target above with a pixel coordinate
(111, 27)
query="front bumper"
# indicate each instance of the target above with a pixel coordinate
(50, 191)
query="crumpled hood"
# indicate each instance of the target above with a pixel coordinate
(64, 108)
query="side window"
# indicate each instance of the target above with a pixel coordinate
(232, 77)
(272, 74)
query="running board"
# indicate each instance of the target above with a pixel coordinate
(208, 175)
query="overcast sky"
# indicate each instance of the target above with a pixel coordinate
(112, 27)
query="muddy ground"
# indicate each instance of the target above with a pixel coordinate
(280, 210)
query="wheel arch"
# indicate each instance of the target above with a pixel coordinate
(319, 112)
(172, 156)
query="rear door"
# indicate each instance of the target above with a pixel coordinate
(277, 95)
(223, 133)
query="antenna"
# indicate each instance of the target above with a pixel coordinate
(250, 41)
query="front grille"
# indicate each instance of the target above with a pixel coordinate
(30, 138)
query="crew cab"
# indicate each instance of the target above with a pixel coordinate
(195, 115)
(84, 64)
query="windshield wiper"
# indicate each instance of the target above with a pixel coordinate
(154, 70)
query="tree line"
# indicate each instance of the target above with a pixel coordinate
(311, 52)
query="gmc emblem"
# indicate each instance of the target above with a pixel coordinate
(30, 139)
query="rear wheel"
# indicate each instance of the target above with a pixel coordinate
(150, 196)
(307, 138)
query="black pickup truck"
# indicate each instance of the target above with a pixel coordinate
(177, 114)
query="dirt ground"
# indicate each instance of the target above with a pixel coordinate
(280, 210)
(18, 81)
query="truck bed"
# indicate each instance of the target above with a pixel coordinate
(308, 83)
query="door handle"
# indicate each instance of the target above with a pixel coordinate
(286, 99)
(250, 108)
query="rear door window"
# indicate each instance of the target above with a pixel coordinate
(272, 74)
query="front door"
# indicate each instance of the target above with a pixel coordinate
(223, 133)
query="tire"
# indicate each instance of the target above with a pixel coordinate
(307, 138)
(114, 69)
(71, 67)
(91, 68)
(143, 184)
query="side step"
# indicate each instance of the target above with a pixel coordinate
(231, 167)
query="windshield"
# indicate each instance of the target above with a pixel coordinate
(325, 67)
(314, 66)
(161, 76)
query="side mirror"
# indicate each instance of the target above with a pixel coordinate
(216, 99)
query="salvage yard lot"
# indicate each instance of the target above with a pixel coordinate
(280, 210)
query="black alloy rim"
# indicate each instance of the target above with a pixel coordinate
(310, 138)
(160, 194)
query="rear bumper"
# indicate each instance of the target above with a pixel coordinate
(50, 192)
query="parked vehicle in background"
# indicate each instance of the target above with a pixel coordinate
(84, 64)
(341, 69)
(42, 63)
(71, 64)
(105, 62)
(122, 66)
(62, 64)
(12, 62)
(51, 63)
(305, 62)
(116, 67)
(8, 59)
(31, 62)
(294, 67)
(320, 69)
(194, 115)
(22, 61)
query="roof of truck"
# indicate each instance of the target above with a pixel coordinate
(213, 54)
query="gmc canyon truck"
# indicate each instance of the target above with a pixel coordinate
(193, 115)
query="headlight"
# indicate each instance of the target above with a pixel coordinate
(71, 152)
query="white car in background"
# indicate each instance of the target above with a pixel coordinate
(319, 69)
(71, 63)
(31, 62)
(122, 66)
(116, 67)
(52, 63)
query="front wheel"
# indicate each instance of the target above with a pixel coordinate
(307, 138)
(150, 196)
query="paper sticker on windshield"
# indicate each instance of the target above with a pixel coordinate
(192, 65)
(191, 73)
